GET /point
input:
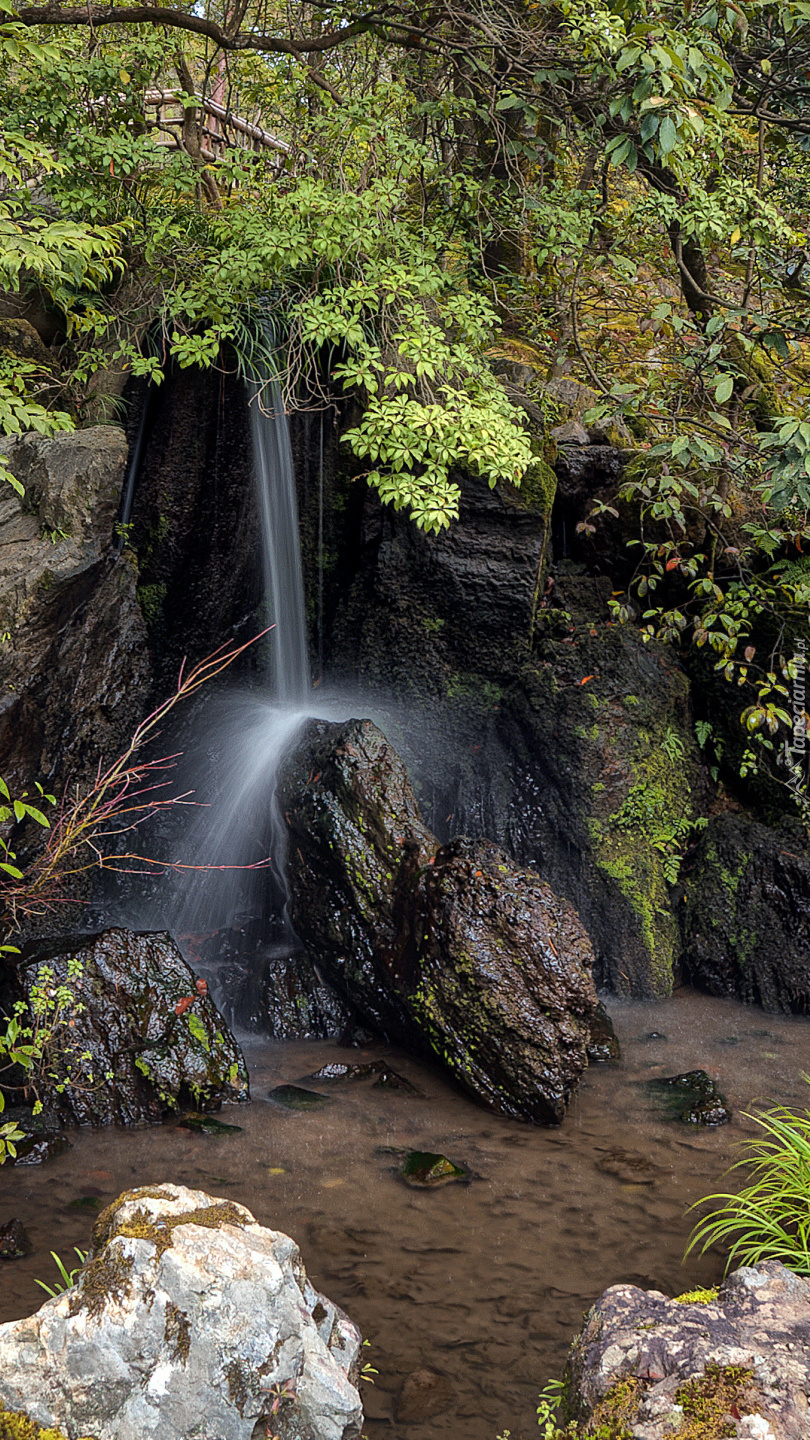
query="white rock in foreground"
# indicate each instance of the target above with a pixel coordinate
(189, 1322)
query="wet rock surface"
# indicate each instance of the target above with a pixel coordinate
(605, 781)
(603, 1045)
(692, 1098)
(42, 1138)
(452, 949)
(746, 917)
(14, 1241)
(426, 614)
(751, 1341)
(422, 1167)
(188, 1319)
(69, 605)
(141, 1037)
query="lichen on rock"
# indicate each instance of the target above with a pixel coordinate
(187, 1320)
(707, 1366)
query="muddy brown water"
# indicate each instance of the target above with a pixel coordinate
(485, 1281)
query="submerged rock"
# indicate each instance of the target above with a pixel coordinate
(338, 1070)
(42, 1138)
(423, 1394)
(739, 1362)
(422, 1167)
(143, 1035)
(206, 1125)
(188, 1319)
(391, 1080)
(14, 1240)
(746, 917)
(293, 1097)
(692, 1098)
(455, 950)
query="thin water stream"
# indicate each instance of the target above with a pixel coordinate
(484, 1282)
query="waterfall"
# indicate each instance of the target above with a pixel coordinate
(223, 894)
(281, 549)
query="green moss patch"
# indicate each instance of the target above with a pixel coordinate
(14, 1425)
(160, 1231)
(709, 1400)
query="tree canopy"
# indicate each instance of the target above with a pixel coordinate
(615, 191)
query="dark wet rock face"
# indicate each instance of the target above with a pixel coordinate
(746, 918)
(741, 1360)
(693, 1098)
(70, 607)
(605, 783)
(454, 950)
(154, 1039)
(425, 612)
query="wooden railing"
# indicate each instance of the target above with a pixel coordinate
(221, 128)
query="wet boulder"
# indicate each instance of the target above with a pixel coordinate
(504, 990)
(731, 1363)
(453, 950)
(135, 1033)
(187, 1319)
(746, 916)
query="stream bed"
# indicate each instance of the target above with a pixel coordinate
(484, 1281)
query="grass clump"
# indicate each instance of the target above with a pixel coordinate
(768, 1219)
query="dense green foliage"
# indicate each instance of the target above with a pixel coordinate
(616, 191)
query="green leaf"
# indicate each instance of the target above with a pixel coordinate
(667, 136)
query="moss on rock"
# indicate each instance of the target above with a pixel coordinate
(14, 1425)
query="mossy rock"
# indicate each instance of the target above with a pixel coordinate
(746, 914)
(14, 1425)
(600, 728)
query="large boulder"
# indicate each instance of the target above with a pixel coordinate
(746, 916)
(188, 1320)
(739, 1361)
(455, 949)
(135, 1034)
(74, 664)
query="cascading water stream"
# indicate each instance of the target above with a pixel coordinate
(238, 837)
(281, 550)
(224, 896)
